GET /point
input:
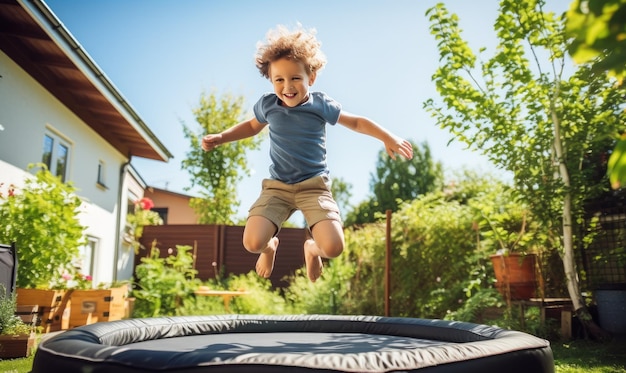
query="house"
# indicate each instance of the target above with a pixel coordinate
(172, 207)
(59, 107)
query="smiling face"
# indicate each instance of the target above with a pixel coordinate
(291, 81)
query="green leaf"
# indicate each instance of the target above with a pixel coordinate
(617, 164)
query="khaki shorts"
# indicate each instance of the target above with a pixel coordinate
(278, 201)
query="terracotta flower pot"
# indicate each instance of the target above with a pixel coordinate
(515, 273)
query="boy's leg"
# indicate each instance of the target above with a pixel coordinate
(265, 217)
(321, 212)
(327, 242)
(258, 238)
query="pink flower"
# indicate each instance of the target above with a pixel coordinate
(66, 276)
(145, 203)
(10, 190)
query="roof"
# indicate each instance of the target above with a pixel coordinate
(166, 191)
(35, 39)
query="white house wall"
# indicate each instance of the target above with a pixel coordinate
(27, 111)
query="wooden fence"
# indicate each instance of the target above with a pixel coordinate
(219, 248)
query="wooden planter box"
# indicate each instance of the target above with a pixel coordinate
(96, 305)
(14, 346)
(53, 307)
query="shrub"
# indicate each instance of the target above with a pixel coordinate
(10, 323)
(42, 219)
(260, 297)
(164, 285)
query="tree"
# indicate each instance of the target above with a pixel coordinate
(341, 193)
(597, 29)
(521, 111)
(217, 172)
(394, 182)
(403, 181)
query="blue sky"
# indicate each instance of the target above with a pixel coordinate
(163, 54)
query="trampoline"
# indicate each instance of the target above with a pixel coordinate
(299, 343)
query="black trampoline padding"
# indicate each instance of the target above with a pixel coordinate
(299, 343)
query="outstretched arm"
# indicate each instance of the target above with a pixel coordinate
(393, 144)
(239, 131)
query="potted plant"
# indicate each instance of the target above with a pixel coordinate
(504, 227)
(17, 338)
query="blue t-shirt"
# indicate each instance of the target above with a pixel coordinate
(297, 135)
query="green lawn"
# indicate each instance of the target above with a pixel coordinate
(590, 357)
(570, 357)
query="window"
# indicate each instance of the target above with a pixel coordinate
(56, 154)
(162, 211)
(48, 143)
(101, 174)
(130, 206)
(86, 256)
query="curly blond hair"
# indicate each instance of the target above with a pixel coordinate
(298, 45)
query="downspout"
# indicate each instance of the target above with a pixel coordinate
(118, 218)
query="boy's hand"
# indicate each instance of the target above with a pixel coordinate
(211, 141)
(399, 146)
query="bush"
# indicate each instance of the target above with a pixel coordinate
(350, 284)
(260, 297)
(164, 285)
(433, 244)
(42, 219)
(10, 323)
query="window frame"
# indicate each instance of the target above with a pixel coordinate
(101, 177)
(57, 140)
(87, 256)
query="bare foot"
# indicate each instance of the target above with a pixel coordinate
(265, 263)
(313, 262)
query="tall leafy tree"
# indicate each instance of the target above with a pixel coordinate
(341, 193)
(597, 29)
(217, 172)
(394, 182)
(403, 181)
(527, 115)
